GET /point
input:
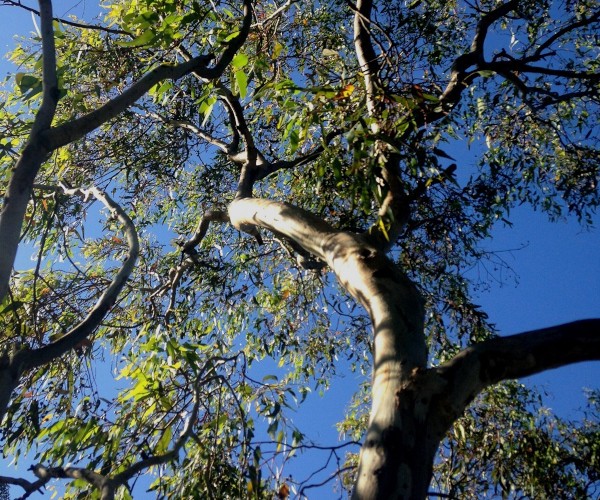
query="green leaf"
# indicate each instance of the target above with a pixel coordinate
(277, 48)
(163, 443)
(273, 427)
(241, 79)
(239, 61)
(485, 73)
(13, 306)
(294, 140)
(26, 82)
(144, 39)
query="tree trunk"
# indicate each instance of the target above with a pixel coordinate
(9, 379)
(14, 207)
(409, 420)
(397, 457)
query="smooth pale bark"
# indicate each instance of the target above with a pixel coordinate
(363, 45)
(20, 186)
(412, 406)
(520, 355)
(396, 310)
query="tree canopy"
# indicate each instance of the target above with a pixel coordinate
(231, 202)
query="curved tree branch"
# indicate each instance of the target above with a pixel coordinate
(45, 115)
(275, 14)
(366, 273)
(103, 483)
(394, 209)
(535, 351)
(467, 66)
(460, 77)
(250, 159)
(37, 357)
(254, 165)
(520, 67)
(527, 353)
(12, 366)
(233, 46)
(584, 21)
(76, 129)
(269, 168)
(29, 487)
(208, 217)
(190, 257)
(194, 129)
(390, 298)
(251, 156)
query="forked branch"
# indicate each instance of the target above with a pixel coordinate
(44, 138)
(460, 76)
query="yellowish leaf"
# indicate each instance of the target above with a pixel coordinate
(345, 92)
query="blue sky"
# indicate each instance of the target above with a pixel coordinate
(558, 274)
(557, 268)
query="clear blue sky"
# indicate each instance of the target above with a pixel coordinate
(558, 273)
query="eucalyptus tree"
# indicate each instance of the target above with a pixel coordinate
(280, 194)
